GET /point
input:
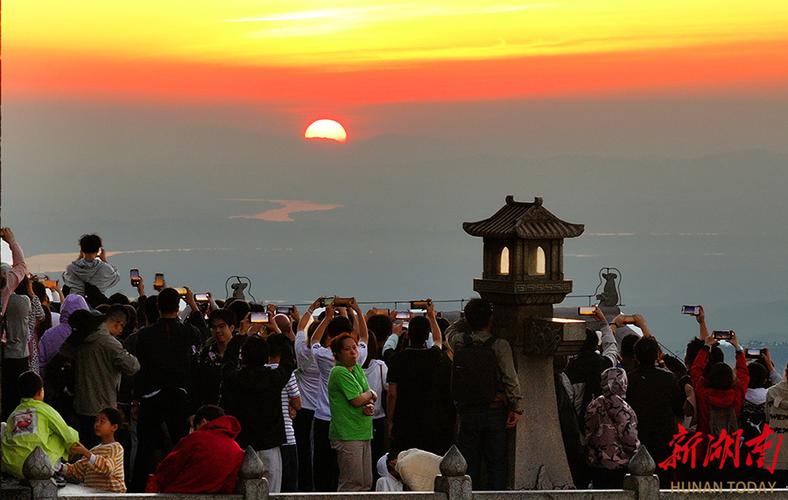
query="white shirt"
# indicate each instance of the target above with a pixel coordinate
(376, 373)
(307, 374)
(288, 391)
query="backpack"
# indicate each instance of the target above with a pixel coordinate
(474, 375)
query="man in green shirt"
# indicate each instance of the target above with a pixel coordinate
(35, 423)
(352, 407)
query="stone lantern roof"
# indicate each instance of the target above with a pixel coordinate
(525, 220)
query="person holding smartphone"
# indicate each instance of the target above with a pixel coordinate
(350, 320)
(719, 392)
(91, 267)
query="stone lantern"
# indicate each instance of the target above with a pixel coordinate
(523, 276)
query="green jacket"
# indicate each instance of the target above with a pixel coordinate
(35, 423)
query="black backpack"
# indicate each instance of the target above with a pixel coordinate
(474, 375)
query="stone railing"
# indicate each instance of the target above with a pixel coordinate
(452, 484)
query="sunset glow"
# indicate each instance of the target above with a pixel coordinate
(326, 129)
(275, 51)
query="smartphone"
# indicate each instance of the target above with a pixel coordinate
(753, 353)
(417, 312)
(182, 291)
(419, 304)
(259, 317)
(134, 277)
(158, 281)
(50, 283)
(723, 334)
(379, 312)
(343, 301)
(691, 310)
(202, 297)
(284, 310)
(586, 310)
(402, 315)
(327, 301)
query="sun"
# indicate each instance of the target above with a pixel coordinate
(326, 129)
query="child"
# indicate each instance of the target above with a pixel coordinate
(102, 466)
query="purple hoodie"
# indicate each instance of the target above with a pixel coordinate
(52, 339)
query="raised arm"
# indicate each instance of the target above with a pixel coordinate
(304, 321)
(18, 267)
(363, 332)
(609, 348)
(321, 328)
(433, 319)
(704, 330)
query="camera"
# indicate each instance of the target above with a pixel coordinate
(343, 301)
(723, 334)
(691, 310)
(259, 317)
(158, 282)
(753, 353)
(134, 277)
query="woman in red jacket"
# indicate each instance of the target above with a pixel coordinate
(719, 394)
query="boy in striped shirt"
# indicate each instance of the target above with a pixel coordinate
(102, 466)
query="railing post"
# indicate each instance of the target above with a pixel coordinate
(251, 483)
(641, 478)
(453, 481)
(37, 469)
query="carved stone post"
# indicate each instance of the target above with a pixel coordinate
(251, 483)
(641, 478)
(453, 481)
(37, 469)
(540, 462)
(526, 287)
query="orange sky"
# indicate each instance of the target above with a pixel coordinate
(307, 54)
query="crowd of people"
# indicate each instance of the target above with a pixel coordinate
(145, 394)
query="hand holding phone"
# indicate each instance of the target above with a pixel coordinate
(259, 317)
(690, 310)
(158, 282)
(134, 277)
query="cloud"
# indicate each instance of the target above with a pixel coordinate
(286, 208)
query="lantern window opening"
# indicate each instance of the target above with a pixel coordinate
(503, 264)
(537, 262)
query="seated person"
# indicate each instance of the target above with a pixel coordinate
(102, 466)
(205, 461)
(35, 423)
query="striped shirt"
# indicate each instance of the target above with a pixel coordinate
(103, 471)
(289, 391)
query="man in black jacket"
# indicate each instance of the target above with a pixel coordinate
(655, 396)
(253, 395)
(165, 351)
